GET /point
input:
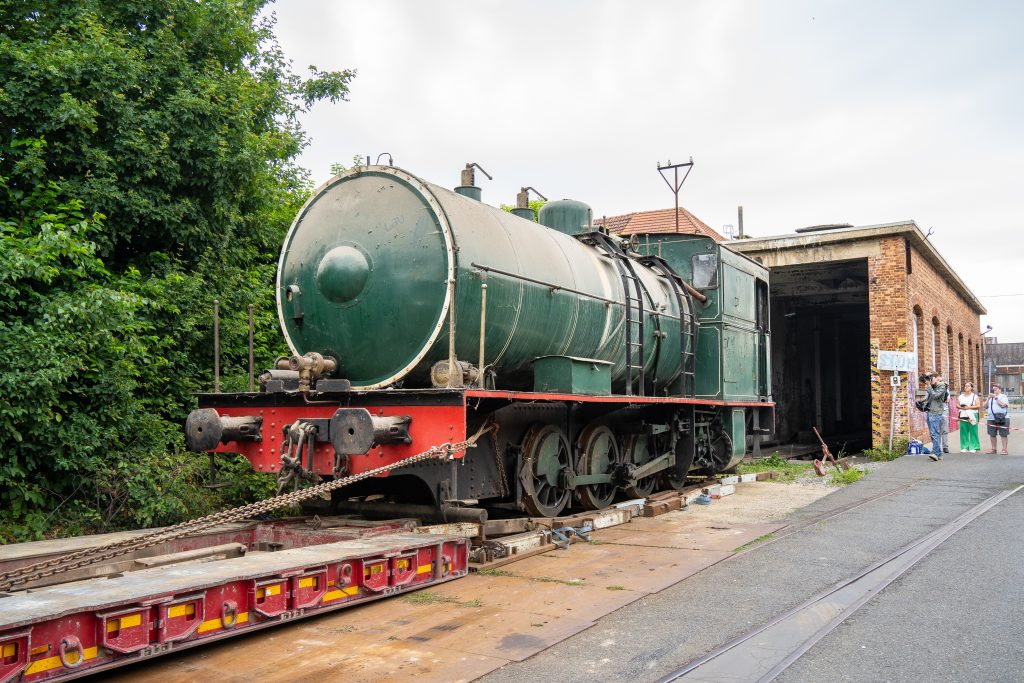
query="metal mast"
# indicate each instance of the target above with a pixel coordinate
(676, 183)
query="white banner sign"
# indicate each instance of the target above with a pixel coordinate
(900, 361)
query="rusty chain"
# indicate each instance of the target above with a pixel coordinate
(91, 556)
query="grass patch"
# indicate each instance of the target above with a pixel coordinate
(885, 454)
(431, 598)
(787, 470)
(847, 476)
(539, 579)
(551, 579)
(493, 572)
(759, 539)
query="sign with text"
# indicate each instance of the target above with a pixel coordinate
(898, 361)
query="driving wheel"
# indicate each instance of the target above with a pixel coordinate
(598, 454)
(545, 454)
(636, 451)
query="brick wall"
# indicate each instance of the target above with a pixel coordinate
(896, 297)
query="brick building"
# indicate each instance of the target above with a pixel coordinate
(839, 294)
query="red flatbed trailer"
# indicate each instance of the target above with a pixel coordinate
(64, 631)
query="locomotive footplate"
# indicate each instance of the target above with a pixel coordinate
(70, 630)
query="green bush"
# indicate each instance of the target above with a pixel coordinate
(146, 168)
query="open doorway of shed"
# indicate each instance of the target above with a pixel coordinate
(820, 353)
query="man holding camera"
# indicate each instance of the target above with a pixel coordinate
(935, 402)
(997, 417)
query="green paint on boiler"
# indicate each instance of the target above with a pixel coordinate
(387, 321)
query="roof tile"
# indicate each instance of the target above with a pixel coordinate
(659, 221)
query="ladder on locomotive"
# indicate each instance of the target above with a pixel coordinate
(634, 318)
(687, 323)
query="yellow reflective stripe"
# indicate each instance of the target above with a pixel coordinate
(124, 622)
(53, 662)
(9, 650)
(268, 591)
(181, 610)
(39, 650)
(340, 593)
(424, 568)
(307, 582)
(214, 624)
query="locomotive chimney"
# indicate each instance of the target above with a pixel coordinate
(468, 187)
(523, 209)
(740, 234)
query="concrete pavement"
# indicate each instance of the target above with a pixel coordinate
(954, 616)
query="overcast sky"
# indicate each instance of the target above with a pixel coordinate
(803, 112)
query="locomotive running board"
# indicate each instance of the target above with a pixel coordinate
(75, 629)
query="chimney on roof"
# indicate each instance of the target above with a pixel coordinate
(741, 235)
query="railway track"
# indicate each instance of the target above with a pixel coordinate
(763, 653)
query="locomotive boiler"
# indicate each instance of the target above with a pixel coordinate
(416, 315)
(378, 264)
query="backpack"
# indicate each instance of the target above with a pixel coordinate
(922, 405)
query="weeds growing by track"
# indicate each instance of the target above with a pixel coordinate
(430, 598)
(787, 470)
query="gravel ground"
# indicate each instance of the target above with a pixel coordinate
(896, 637)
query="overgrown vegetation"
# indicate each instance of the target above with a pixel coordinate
(885, 454)
(425, 597)
(787, 470)
(756, 541)
(844, 477)
(146, 168)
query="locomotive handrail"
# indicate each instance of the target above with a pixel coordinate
(542, 283)
(552, 286)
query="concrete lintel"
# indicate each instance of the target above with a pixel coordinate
(778, 256)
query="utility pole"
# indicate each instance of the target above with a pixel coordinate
(676, 183)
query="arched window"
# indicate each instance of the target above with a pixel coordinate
(970, 363)
(935, 345)
(918, 337)
(960, 360)
(947, 365)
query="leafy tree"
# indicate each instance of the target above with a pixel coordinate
(535, 204)
(147, 168)
(338, 168)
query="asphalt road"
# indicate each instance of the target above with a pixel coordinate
(957, 615)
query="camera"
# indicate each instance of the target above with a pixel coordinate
(927, 377)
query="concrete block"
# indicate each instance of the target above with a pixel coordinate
(763, 476)
(732, 479)
(723, 491)
(747, 478)
(712, 490)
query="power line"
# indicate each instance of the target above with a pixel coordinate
(996, 296)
